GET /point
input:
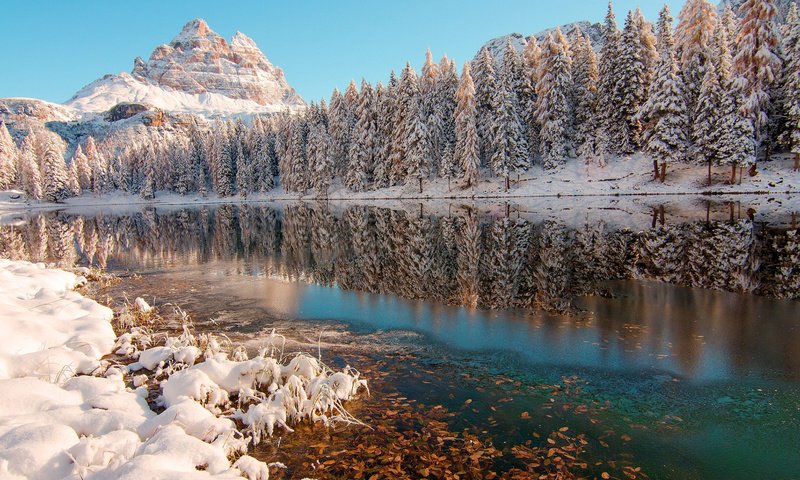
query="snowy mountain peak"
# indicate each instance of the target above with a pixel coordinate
(195, 73)
(241, 40)
(195, 30)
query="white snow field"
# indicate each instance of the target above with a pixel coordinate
(67, 414)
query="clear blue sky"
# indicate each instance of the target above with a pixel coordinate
(53, 48)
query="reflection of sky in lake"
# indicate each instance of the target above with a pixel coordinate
(650, 328)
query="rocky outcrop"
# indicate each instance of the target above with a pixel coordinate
(125, 110)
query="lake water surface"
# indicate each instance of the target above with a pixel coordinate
(682, 332)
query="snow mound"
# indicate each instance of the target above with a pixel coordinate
(50, 332)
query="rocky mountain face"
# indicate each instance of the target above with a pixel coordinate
(199, 60)
(197, 72)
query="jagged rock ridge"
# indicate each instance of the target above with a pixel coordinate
(197, 72)
(199, 60)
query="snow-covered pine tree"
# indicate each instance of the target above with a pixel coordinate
(260, 141)
(363, 144)
(791, 49)
(244, 170)
(631, 88)
(484, 74)
(98, 166)
(417, 159)
(566, 45)
(8, 159)
(428, 112)
(778, 131)
(383, 113)
(148, 190)
(730, 22)
(757, 64)
(56, 180)
(554, 110)
(585, 76)
(531, 58)
(351, 99)
(223, 167)
(509, 147)
(607, 103)
(238, 148)
(732, 145)
(693, 36)
(283, 132)
(706, 120)
(649, 45)
(513, 73)
(180, 157)
(663, 115)
(297, 154)
(320, 161)
(340, 131)
(736, 145)
(404, 119)
(84, 170)
(445, 108)
(198, 157)
(74, 182)
(466, 152)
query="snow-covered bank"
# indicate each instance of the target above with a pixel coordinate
(65, 412)
(629, 176)
(50, 331)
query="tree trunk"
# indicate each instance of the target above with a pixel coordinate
(661, 214)
(733, 217)
(655, 218)
(420, 184)
(733, 174)
(797, 161)
(709, 172)
(655, 169)
(448, 184)
(663, 171)
(753, 170)
(506, 184)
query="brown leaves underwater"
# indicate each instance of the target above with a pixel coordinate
(412, 441)
(408, 440)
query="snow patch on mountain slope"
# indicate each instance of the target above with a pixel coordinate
(102, 94)
(35, 108)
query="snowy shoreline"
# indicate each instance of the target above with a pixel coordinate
(631, 177)
(69, 410)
